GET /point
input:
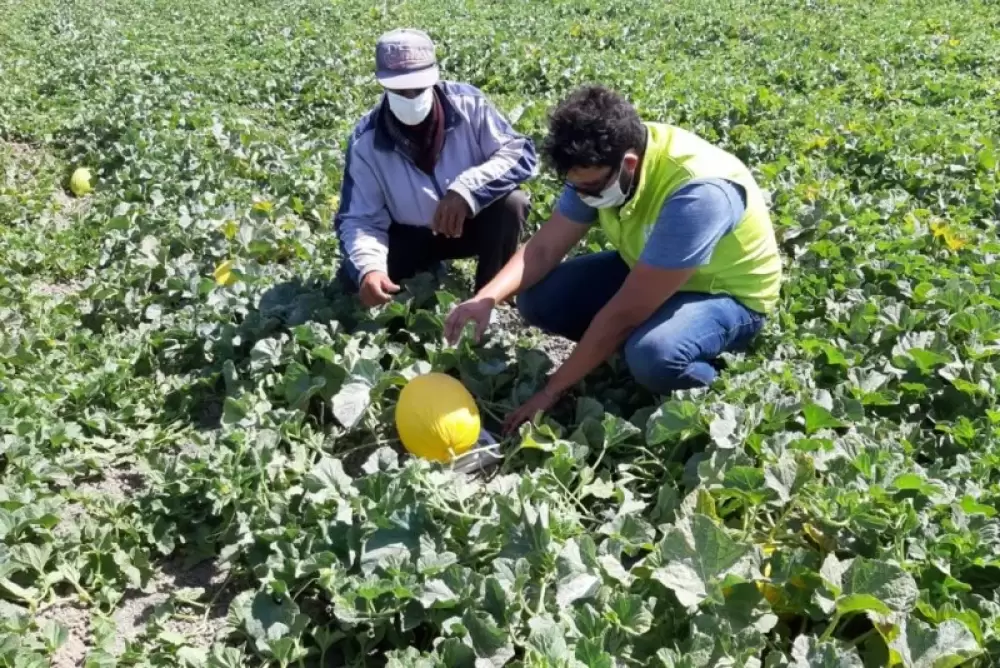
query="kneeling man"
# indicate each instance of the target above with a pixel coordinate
(695, 269)
(433, 173)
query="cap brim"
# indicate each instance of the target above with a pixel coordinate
(411, 80)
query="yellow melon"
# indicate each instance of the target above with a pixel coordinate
(437, 418)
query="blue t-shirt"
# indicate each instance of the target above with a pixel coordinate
(690, 224)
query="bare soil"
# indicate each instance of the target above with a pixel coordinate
(169, 600)
(192, 602)
(556, 347)
(76, 619)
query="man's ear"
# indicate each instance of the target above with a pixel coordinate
(631, 162)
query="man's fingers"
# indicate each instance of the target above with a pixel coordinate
(481, 325)
(505, 429)
(379, 292)
(513, 421)
(449, 327)
(444, 222)
(456, 322)
(436, 220)
(453, 221)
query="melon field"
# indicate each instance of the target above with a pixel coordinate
(198, 459)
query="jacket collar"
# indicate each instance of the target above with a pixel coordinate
(384, 137)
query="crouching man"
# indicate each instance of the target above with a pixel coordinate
(432, 174)
(695, 269)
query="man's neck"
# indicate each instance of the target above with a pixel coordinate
(633, 186)
(637, 175)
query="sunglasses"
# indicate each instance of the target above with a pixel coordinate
(592, 189)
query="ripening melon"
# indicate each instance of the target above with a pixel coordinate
(437, 418)
(80, 183)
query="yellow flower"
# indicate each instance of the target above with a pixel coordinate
(224, 273)
(951, 239)
(230, 228)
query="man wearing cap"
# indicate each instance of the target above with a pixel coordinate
(432, 174)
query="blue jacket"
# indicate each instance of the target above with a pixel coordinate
(483, 158)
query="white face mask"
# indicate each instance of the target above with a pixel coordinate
(610, 197)
(411, 111)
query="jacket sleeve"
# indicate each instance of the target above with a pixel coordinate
(362, 222)
(510, 161)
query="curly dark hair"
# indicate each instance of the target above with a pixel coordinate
(593, 127)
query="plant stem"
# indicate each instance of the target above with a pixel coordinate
(781, 518)
(584, 511)
(215, 596)
(830, 629)
(303, 588)
(456, 513)
(863, 637)
(540, 606)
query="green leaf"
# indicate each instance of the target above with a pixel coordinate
(437, 594)
(100, 658)
(546, 638)
(225, 657)
(886, 584)
(351, 402)
(266, 355)
(266, 620)
(672, 421)
(949, 645)
(33, 556)
(631, 613)
(398, 542)
(299, 386)
(454, 652)
(808, 652)
(723, 427)
(490, 642)
(575, 587)
(861, 603)
(590, 653)
(787, 476)
(697, 555)
(286, 650)
(328, 475)
(818, 418)
(234, 410)
(55, 634)
(192, 656)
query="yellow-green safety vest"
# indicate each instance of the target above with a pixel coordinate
(745, 263)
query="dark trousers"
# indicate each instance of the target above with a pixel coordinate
(491, 238)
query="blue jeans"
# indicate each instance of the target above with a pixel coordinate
(672, 350)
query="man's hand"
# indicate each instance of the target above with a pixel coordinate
(377, 289)
(541, 401)
(450, 215)
(477, 310)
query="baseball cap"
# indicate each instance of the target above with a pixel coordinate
(405, 58)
